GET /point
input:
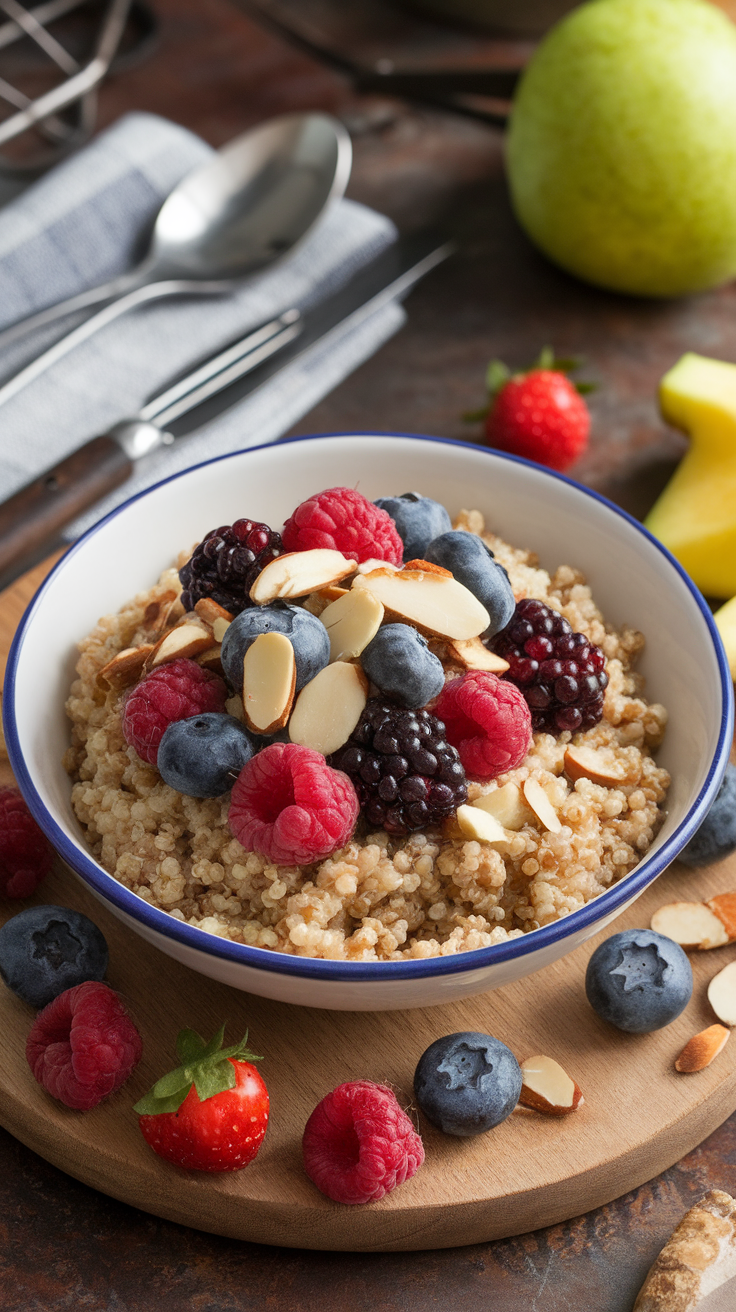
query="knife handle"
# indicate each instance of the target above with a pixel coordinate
(33, 517)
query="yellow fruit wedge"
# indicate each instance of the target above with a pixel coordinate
(725, 619)
(696, 514)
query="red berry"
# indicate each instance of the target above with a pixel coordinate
(83, 1045)
(217, 1116)
(346, 521)
(291, 806)
(358, 1144)
(176, 691)
(26, 856)
(539, 415)
(488, 720)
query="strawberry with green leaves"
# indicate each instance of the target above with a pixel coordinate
(211, 1113)
(539, 414)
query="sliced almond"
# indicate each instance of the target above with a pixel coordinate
(722, 994)
(210, 660)
(724, 906)
(298, 573)
(126, 668)
(329, 707)
(234, 706)
(541, 805)
(183, 642)
(269, 681)
(425, 567)
(691, 924)
(481, 826)
(210, 611)
(332, 593)
(368, 566)
(588, 763)
(435, 604)
(547, 1088)
(352, 622)
(219, 629)
(472, 653)
(507, 805)
(702, 1048)
(166, 609)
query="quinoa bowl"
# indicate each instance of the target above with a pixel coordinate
(635, 583)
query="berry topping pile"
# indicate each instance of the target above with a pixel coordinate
(560, 673)
(175, 691)
(405, 772)
(358, 1144)
(26, 856)
(83, 1045)
(227, 563)
(488, 721)
(289, 804)
(344, 520)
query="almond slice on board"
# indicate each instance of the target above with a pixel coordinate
(541, 805)
(691, 924)
(352, 622)
(547, 1088)
(481, 826)
(298, 573)
(436, 605)
(722, 994)
(698, 1257)
(183, 642)
(507, 805)
(588, 763)
(471, 653)
(126, 668)
(723, 905)
(329, 707)
(269, 681)
(702, 1049)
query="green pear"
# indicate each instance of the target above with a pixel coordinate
(622, 146)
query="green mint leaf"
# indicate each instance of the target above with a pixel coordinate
(497, 374)
(150, 1105)
(189, 1046)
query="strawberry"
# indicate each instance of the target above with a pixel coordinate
(211, 1113)
(538, 414)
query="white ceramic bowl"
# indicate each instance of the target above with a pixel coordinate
(634, 580)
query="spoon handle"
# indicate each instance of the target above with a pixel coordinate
(151, 292)
(104, 292)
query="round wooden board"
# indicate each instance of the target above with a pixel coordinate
(639, 1116)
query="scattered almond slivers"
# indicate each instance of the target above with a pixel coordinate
(702, 1049)
(182, 643)
(599, 767)
(722, 994)
(691, 924)
(269, 680)
(507, 805)
(541, 805)
(329, 707)
(547, 1088)
(126, 667)
(210, 611)
(436, 604)
(478, 824)
(297, 573)
(352, 622)
(472, 653)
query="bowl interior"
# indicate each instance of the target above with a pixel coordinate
(633, 582)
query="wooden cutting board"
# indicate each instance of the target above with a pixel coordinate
(639, 1115)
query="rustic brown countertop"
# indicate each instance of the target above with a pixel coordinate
(64, 1246)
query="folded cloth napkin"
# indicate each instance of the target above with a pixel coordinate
(88, 220)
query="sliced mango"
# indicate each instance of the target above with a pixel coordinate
(725, 619)
(696, 514)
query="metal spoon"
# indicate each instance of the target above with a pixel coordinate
(234, 215)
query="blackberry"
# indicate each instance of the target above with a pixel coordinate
(406, 774)
(227, 563)
(560, 672)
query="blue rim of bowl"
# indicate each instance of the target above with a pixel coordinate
(160, 922)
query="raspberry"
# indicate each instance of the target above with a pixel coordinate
(561, 673)
(176, 691)
(83, 1045)
(26, 856)
(541, 416)
(227, 563)
(358, 1144)
(488, 721)
(344, 520)
(406, 774)
(288, 804)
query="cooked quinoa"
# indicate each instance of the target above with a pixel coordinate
(379, 898)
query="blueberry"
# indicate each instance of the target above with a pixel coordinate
(203, 756)
(417, 520)
(473, 564)
(467, 1083)
(307, 635)
(716, 837)
(639, 980)
(400, 663)
(45, 950)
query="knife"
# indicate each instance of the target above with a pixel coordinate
(32, 519)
